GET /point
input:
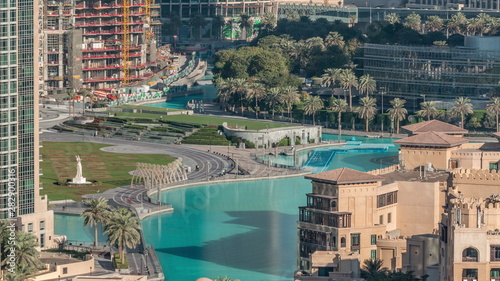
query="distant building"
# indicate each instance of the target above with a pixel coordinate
(436, 213)
(437, 72)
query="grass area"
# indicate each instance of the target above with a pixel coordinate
(109, 169)
(149, 108)
(206, 120)
(206, 136)
(117, 262)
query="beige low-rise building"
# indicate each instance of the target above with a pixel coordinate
(438, 214)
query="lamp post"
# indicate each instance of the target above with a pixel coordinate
(382, 94)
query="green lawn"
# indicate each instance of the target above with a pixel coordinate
(110, 169)
(149, 108)
(206, 120)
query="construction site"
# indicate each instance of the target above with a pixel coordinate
(99, 45)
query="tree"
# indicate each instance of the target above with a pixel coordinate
(392, 18)
(246, 23)
(347, 81)
(462, 107)
(289, 97)
(97, 212)
(197, 21)
(434, 23)
(413, 21)
(122, 229)
(331, 77)
(312, 105)
(367, 85)
(397, 112)
(268, 21)
(373, 269)
(334, 39)
(457, 23)
(292, 15)
(218, 23)
(273, 98)
(27, 257)
(367, 110)
(428, 110)
(339, 106)
(494, 108)
(256, 91)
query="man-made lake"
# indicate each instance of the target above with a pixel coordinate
(245, 230)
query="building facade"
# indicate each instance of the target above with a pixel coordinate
(20, 187)
(434, 73)
(98, 44)
(435, 214)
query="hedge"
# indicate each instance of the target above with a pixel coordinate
(117, 262)
(136, 127)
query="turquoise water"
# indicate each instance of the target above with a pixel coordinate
(76, 233)
(209, 94)
(245, 230)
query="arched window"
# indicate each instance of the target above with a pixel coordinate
(342, 242)
(470, 254)
(333, 204)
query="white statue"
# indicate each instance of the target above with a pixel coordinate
(79, 179)
(78, 167)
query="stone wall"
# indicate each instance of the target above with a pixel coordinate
(268, 137)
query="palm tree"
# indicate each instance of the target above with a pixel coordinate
(122, 229)
(289, 97)
(312, 105)
(347, 81)
(373, 269)
(97, 212)
(229, 88)
(434, 23)
(494, 107)
(457, 23)
(367, 85)
(273, 98)
(197, 21)
(339, 106)
(334, 39)
(217, 24)
(462, 107)
(392, 18)
(256, 91)
(367, 110)
(268, 21)
(331, 77)
(397, 112)
(27, 256)
(246, 23)
(428, 110)
(413, 21)
(223, 93)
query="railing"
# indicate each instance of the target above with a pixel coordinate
(469, 259)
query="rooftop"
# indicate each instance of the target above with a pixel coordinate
(435, 139)
(344, 176)
(434, 125)
(407, 175)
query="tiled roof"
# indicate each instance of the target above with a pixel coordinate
(434, 125)
(344, 175)
(432, 139)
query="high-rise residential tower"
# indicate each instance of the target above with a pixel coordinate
(20, 186)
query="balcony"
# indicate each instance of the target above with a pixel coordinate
(112, 67)
(102, 15)
(108, 23)
(469, 259)
(469, 279)
(41, 172)
(112, 32)
(110, 49)
(110, 56)
(40, 158)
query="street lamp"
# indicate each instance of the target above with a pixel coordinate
(382, 94)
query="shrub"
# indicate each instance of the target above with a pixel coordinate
(118, 263)
(284, 142)
(136, 127)
(311, 140)
(297, 141)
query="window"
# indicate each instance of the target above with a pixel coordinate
(42, 240)
(494, 166)
(30, 227)
(355, 242)
(342, 242)
(495, 272)
(470, 272)
(495, 253)
(65, 270)
(469, 254)
(42, 225)
(389, 217)
(381, 219)
(373, 254)
(373, 239)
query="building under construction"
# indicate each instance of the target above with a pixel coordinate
(92, 44)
